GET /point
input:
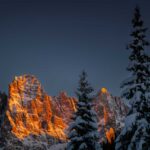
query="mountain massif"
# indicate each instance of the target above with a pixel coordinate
(31, 119)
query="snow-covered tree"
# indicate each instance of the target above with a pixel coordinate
(136, 88)
(84, 128)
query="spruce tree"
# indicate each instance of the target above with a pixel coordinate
(136, 88)
(84, 128)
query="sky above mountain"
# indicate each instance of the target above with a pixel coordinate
(56, 40)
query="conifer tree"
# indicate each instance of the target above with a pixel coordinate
(84, 128)
(136, 88)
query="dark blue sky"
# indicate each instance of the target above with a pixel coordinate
(56, 40)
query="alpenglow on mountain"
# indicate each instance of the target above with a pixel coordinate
(34, 120)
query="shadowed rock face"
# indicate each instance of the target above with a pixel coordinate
(111, 113)
(33, 115)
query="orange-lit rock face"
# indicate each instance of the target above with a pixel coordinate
(104, 90)
(110, 134)
(32, 111)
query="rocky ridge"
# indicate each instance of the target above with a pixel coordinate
(35, 120)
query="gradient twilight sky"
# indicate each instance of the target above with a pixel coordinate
(56, 40)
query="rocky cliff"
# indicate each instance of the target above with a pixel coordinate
(35, 120)
(111, 112)
(32, 114)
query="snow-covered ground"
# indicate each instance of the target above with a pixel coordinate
(58, 147)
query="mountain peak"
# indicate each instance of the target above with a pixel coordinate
(30, 109)
(104, 90)
(32, 113)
